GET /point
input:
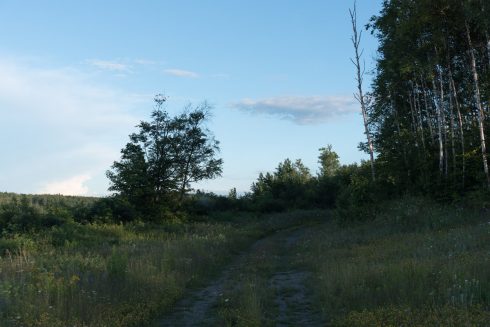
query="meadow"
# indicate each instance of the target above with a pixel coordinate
(114, 274)
(107, 275)
(417, 263)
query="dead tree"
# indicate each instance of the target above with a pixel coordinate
(356, 41)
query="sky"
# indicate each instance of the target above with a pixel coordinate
(76, 77)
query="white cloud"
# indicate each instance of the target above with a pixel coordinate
(144, 62)
(121, 66)
(181, 73)
(59, 122)
(59, 97)
(72, 186)
(110, 65)
(300, 109)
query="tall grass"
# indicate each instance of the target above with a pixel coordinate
(250, 297)
(114, 275)
(418, 263)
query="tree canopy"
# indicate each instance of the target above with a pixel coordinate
(431, 93)
(161, 161)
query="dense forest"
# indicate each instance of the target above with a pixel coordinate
(430, 100)
(400, 239)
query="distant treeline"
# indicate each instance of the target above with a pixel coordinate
(291, 186)
(44, 201)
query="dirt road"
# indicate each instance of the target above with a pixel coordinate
(269, 259)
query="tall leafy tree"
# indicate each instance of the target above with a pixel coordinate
(196, 149)
(431, 94)
(167, 154)
(130, 177)
(329, 162)
(286, 187)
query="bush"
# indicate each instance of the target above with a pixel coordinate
(15, 217)
(357, 201)
(359, 198)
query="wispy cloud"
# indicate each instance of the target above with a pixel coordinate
(72, 186)
(64, 122)
(114, 66)
(300, 109)
(144, 62)
(181, 73)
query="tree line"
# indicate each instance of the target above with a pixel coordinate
(428, 109)
(425, 119)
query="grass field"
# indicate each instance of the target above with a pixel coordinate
(116, 275)
(417, 264)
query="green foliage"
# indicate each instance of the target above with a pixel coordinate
(358, 196)
(329, 162)
(22, 216)
(424, 111)
(232, 195)
(204, 204)
(117, 264)
(113, 209)
(164, 158)
(292, 186)
(286, 188)
(34, 213)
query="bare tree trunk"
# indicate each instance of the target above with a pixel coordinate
(356, 41)
(451, 130)
(419, 115)
(453, 94)
(438, 105)
(427, 109)
(397, 122)
(460, 123)
(412, 113)
(488, 57)
(481, 114)
(443, 121)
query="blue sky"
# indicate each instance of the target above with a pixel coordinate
(77, 76)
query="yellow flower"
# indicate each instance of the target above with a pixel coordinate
(74, 279)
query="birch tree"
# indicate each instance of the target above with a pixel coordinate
(479, 106)
(431, 84)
